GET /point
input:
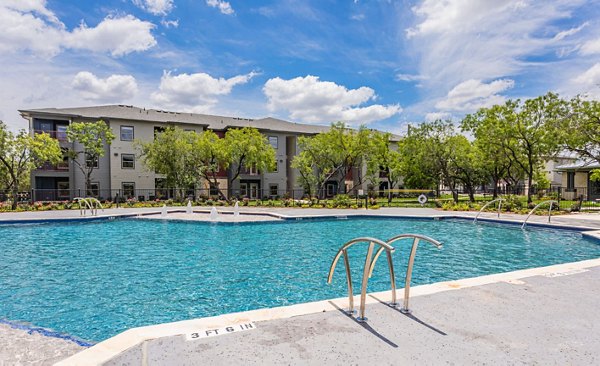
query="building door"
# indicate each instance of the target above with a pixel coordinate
(253, 190)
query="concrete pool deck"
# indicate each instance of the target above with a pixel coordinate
(305, 335)
(543, 315)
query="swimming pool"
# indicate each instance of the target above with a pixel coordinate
(94, 280)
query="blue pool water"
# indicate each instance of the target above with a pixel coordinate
(94, 280)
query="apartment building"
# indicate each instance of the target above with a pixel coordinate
(120, 171)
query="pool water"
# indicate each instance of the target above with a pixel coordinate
(95, 280)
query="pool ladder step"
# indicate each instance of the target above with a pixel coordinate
(370, 260)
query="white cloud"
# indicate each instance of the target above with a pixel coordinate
(569, 32)
(156, 7)
(30, 26)
(457, 40)
(195, 90)
(35, 6)
(409, 77)
(170, 23)
(591, 47)
(588, 82)
(115, 88)
(474, 94)
(310, 100)
(119, 36)
(223, 6)
(433, 116)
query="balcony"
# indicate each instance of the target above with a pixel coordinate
(61, 167)
(59, 135)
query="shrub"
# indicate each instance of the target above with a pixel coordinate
(342, 201)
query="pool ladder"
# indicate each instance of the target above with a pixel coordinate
(90, 203)
(370, 261)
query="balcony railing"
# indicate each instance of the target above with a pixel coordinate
(63, 166)
(59, 135)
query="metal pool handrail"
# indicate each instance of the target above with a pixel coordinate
(89, 202)
(536, 207)
(369, 263)
(411, 260)
(489, 203)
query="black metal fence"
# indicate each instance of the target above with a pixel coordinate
(578, 198)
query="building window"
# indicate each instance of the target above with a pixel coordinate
(250, 170)
(331, 189)
(274, 141)
(91, 161)
(126, 133)
(158, 130)
(570, 181)
(243, 189)
(128, 189)
(94, 190)
(275, 167)
(273, 190)
(127, 161)
(61, 132)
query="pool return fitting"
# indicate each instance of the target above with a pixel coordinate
(370, 261)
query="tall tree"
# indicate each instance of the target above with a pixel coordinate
(210, 155)
(530, 136)
(384, 161)
(248, 148)
(579, 127)
(170, 154)
(334, 154)
(430, 155)
(89, 140)
(314, 164)
(467, 162)
(490, 141)
(22, 153)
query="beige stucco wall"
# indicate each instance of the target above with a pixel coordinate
(581, 181)
(140, 175)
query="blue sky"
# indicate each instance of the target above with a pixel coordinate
(381, 63)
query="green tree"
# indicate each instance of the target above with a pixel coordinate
(171, 154)
(529, 133)
(579, 129)
(210, 154)
(314, 164)
(468, 166)
(491, 139)
(416, 167)
(333, 154)
(430, 155)
(247, 147)
(22, 153)
(89, 140)
(383, 160)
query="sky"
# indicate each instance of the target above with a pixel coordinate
(385, 64)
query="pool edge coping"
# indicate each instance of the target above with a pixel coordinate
(106, 350)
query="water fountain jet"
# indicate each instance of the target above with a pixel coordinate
(214, 215)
